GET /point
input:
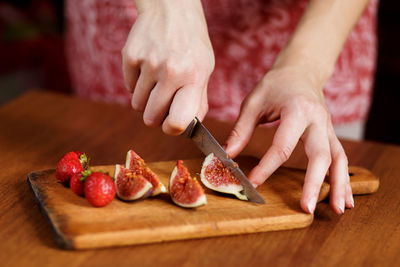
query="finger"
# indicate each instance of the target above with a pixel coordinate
(158, 104)
(144, 85)
(203, 109)
(130, 71)
(341, 193)
(242, 131)
(318, 152)
(337, 179)
(184, 108)
(285, 140)
(349, 200)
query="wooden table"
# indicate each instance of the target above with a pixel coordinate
(39, 127)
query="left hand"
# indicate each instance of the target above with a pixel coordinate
(293, 96)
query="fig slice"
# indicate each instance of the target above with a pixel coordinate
(185, 191)
(135, 163)
(131, 185)
(219, 178)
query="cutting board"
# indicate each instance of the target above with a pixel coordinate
(78, 225)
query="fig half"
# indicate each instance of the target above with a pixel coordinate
(219, 178)
(135, 163)
(131, 185)
(185, 191)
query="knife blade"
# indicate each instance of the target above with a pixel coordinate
(206, 142)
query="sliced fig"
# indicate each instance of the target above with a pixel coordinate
(135, 163)
(185, 191)
(131, 185)
(219, 178)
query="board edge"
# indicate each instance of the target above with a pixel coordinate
(62, 241)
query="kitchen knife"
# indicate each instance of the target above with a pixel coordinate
(208, 144)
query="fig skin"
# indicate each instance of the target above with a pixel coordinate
(130, 185)
(135, 163)
(189, 185)
(232, 186)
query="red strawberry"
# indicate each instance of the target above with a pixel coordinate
(71, 163)
(76, 184)
(99, 189)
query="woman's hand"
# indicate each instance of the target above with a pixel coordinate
(292, 93)
(167, 61)
(293, 96)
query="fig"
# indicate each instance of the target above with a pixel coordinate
(135, 163)
(131, 185)
(185, 191)
(219, 178)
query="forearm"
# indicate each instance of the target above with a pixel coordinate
(320, 36)
(183, 11)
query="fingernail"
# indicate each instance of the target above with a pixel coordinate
(341, 205)
(352, 201)
(311, 205)
(341, 210)
(254, 185)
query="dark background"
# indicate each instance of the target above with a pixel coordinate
(32, 56)
(383, 123)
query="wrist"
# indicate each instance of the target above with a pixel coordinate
(316, 70)
(166, 5)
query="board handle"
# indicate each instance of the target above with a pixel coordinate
(362, 181)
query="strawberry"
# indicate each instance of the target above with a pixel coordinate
(76, 183)
(71, 163)
(99, 189)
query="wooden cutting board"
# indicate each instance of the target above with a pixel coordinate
(78, 225)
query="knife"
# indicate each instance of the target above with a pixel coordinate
(208, 144)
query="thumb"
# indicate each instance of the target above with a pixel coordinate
(242, 131)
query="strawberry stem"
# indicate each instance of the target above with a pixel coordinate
(84, 160)
(85, 174)
(106, 172)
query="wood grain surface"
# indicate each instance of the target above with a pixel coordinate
(39, 127)
(78, 225)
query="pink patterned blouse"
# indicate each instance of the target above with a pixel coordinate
(246, 36)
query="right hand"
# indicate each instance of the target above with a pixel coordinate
(166, 61)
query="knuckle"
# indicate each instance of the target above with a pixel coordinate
(338, 154)
(137, 107)
(251, 101)
(341, 158)
(131, 59)
(302, 105)
(152, 64)
(178, 69)
(321, 113)
(283, 152)
(152, 61)
(324, 156)
(171, 69)
(234, 134)
(129, 56)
